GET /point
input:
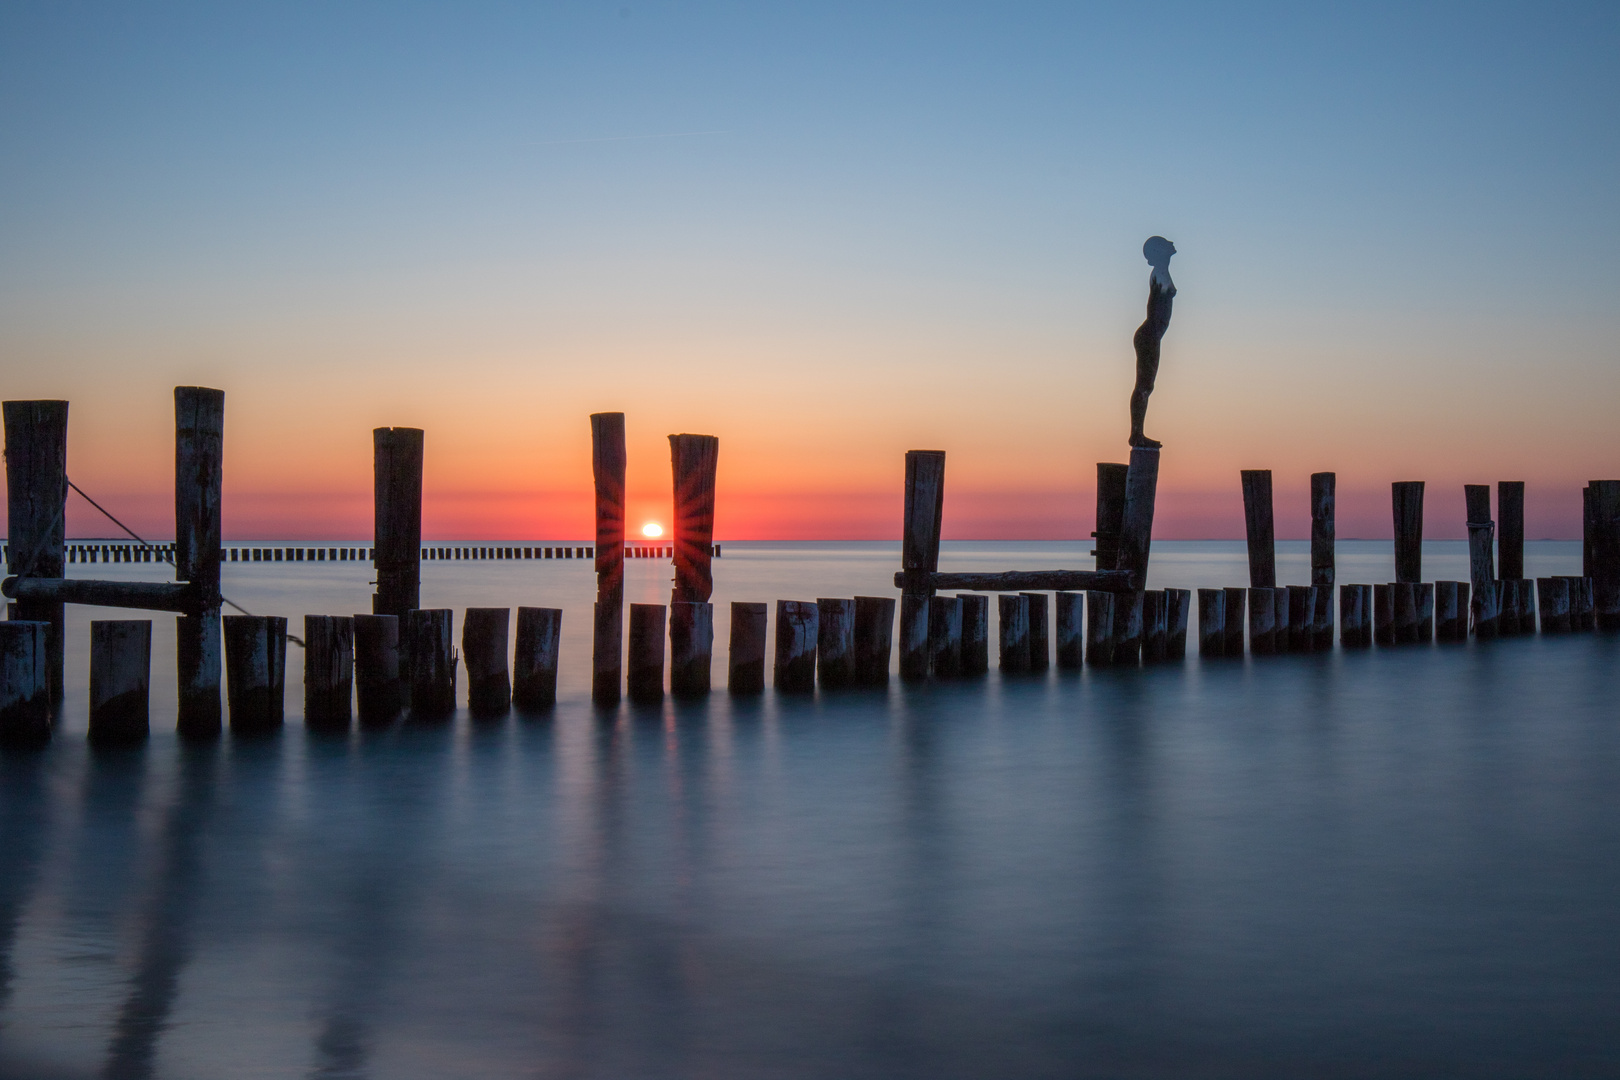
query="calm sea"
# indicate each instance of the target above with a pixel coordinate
(1393, 863)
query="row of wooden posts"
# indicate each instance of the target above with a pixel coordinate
(147, 553)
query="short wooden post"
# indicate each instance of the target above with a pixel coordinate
(1071, 630)
(1177, 607)
(1237, 608)
(1040, 632)
(1136, 530)
(1406, 501)
(691, 648)
(1110, 512)
(256, 671)
(1099, 628)
(1580, 603)
(484, 651)
(797, 631)
(919, 555)
(1301, 618)
(1507, 612)
(607, 630)
(36, 497)
(1014, 631)
(1322, 618)
(1354, 629)
(1128, 628)
(25, 691)
(1481, 560)
(1423, 592)
(328, 671)
(1510, 529)
(1404, 615)
(1259, 526)
(1447, 613)
(120, 676)
(397, 467)
(1322, 540)
(975, 633)
(646, 658)
(874, 639)
(693, 459)
(534, 658)
(1383, 622)
(1211, 622)
(379, 691)
(1262, 621)
(835, 642)
(1154, 627)
(1280, 623)
(746, 663)
(945, 636)
(430, 658)
(1527, 605)
(1553, 594)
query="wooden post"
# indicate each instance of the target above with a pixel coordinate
(919, 556)
(430, 659)
(874, 639)
(945, 636)
(746, 671)
(1301, 617)
(691, 648)
(1236, 614)
(1177, 606)
(328, 671)
(25, 692)
(1507, 613)
(484, 651)
(1553, 594)
(1606, 553)
(1447, 612)
(1423, 592)
(1510, 528)
(1406, 502)
(607, 634)
(1384, 614)
(646, 659)
(1128, 628)
(1071, 630)
(1482, 571)
(1405, 611)
(1040, 632)
(1262, 621)
(1136, 530)
(1100, 628)
(1211, 622)
(256, 670)
(1281, 633)
(397, 468)
(1154, 627)
(835, 642)
(199, 449)
(1110, 512)
(1322, 538)
(36, 500)
(1014, 631)
(797, 631)
(1354, 632)
(534, 661)
(379, 692)
(975, 633)
(1261, 530)
(694, 459)
(1586, 531)
(120, 677)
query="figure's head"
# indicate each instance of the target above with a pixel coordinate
(1157, 251)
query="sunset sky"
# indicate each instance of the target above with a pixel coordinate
(826, 234)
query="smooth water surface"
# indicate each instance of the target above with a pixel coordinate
(1400, 862)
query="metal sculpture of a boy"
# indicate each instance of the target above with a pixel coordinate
(1161, 292)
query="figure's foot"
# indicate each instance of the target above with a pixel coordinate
(1145, 443)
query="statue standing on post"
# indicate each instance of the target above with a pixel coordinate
(1161, 292)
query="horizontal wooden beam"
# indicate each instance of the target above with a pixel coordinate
(1033, 581)
(182, 597)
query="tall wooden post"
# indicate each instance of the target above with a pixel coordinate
(1481, 565)
(199, 460)
(1406, 503)
(1606, 553)
(1261, 529)
(919, 556)
(1110, 512)
(1510, 529)
(1136, 531)
(397, 461)
(1322, 566)
(607, 647)
(36, 500)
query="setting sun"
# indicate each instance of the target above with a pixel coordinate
(652, 529)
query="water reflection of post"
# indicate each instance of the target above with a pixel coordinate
(24, 820)
(924, 861)
(165, 921)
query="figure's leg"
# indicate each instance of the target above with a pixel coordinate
(1147, 371)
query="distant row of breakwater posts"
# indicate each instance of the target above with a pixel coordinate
(400, 658)
(145, 553)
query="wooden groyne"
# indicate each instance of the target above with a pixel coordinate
(400, 659)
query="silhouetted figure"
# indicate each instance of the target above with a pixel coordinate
(1161, 291)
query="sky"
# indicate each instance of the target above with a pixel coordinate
(826, 233)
